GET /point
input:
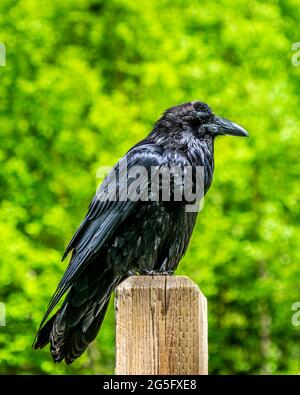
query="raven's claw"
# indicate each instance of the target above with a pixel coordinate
(158, 273)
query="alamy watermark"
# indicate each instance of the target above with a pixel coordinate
(296, 316)
(2, 314)
(296, 56)
(2, 54)
(153, 183)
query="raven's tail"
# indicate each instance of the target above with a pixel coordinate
(76, 324)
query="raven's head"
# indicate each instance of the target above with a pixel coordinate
(196, 117)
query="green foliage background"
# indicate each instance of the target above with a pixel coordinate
(84, 81)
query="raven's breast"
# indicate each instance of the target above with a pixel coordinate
(155, 237)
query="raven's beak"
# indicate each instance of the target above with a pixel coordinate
(224, 126)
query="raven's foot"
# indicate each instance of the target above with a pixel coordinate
(167, 273)
(157, 273)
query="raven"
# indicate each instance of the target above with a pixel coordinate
(119, 237)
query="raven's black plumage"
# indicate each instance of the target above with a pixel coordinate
(117, 238)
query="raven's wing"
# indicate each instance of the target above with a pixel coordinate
(103, 217)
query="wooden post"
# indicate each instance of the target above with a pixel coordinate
(161, 326)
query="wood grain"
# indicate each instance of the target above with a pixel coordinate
(161, 326)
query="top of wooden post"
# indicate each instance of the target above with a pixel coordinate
(161, 326)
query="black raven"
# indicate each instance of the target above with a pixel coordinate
(119, 237)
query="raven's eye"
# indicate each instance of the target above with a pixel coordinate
(204, 117)
(195, 122)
